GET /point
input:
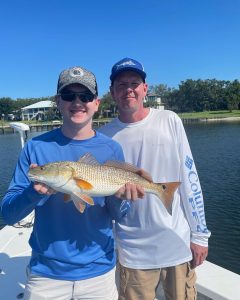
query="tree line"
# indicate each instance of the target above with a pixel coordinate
(190, 96)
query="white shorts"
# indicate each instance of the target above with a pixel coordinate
(98, 288)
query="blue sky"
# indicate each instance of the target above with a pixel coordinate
(175, 41)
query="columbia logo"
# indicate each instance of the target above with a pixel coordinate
(188, 162)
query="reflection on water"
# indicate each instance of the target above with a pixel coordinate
(215, 149)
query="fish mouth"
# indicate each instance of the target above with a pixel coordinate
(33, 177)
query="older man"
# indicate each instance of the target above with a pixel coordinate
(154, 245)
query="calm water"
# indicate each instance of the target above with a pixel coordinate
(216, 149)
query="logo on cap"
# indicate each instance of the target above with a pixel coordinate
(126, 63)
(76, 72)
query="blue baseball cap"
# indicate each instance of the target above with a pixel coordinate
(127, 64)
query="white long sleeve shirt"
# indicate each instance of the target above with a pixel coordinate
(149, 237)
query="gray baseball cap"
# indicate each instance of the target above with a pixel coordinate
(77, 75)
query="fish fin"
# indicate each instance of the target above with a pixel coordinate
(128, 167)
(66, 198)
(83, 184)
(166, 193)
(80, 206)
(88, 158)
(121, 165)
(142, 173)
(83, 197)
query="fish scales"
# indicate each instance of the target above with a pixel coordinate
(109, 178)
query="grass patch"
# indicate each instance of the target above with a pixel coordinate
(210, 114)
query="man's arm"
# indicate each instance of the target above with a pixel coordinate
(192, 200)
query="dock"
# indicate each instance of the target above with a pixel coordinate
(6, 129)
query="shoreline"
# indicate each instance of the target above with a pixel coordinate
(97, 123)
(228, 119)
(210, 120)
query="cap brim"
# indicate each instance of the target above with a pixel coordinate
(75, 82)
(141, 73)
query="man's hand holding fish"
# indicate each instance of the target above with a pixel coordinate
(130, 192)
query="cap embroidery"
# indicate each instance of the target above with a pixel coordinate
(128, 63)
(76, 72)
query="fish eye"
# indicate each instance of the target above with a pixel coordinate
(164, 187)
(42, 168)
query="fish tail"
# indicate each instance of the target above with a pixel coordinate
(165, 192)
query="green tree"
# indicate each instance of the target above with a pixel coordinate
(232, 93)
(6, 107)
(161, 90)
(199, 95)
(107, 106)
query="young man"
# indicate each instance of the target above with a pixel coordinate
(152, 244)
(73, 253)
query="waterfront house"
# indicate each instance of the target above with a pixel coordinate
(37, 110)
(154, 100)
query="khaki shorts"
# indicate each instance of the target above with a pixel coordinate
(178, 283)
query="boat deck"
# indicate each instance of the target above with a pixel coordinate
(213, 282)
(14, 257)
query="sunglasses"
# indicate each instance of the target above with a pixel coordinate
(71, 96)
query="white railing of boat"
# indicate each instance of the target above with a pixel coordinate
(21, 128)
(217, 283)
